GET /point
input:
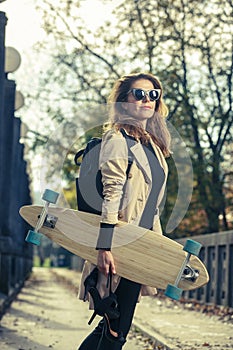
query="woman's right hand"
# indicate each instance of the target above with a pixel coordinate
(105, 262)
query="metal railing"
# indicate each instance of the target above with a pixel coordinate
(217, 255)
(15, 254)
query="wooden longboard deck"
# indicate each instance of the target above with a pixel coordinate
(140, 255)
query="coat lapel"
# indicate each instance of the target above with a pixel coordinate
(142, 160)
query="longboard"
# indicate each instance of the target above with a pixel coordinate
(141, 255)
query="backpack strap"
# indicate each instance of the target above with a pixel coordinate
(83, 151)
(78, 155)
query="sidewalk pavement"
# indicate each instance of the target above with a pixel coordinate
(173, 326)
(47, 314)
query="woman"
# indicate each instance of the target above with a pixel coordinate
(131, 193)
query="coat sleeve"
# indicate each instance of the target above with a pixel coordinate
(113, 164)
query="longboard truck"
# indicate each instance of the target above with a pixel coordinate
(34, 236)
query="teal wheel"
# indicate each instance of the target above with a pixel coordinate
(192, 247)
(33, 237)
(50, 196)
(173, 292)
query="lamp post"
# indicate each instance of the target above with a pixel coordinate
(19, 100)
(12, 59)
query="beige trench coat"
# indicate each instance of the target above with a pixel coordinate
(131, 201)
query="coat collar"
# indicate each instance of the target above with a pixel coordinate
(142, 161)
(141, 157)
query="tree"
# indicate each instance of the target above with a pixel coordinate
(206, 96)
(189, 45)
(195, 39)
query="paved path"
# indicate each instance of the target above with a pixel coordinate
(183, 329)
(176, 328)
(47, 315)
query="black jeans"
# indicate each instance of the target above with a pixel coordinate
(127, 295)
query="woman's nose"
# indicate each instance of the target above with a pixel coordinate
(146, 98)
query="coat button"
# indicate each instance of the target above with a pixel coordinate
(120, 216)
(130, 175)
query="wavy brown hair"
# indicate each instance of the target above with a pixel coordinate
(156, 125)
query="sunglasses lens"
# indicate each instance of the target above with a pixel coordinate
(154, 95)
(139, 94)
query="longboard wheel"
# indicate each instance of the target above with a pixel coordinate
(50, 196)
(192, 247)
(33, 237)
(173, 292)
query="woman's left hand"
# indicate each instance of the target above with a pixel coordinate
(105, 262)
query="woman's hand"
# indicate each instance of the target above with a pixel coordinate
(105, 262)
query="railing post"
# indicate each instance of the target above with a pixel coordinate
(3, 21)
(5, 265)
(218, 258)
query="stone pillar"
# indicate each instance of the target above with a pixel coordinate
(3, 21)
(6, 137)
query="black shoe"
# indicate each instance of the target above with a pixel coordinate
(107, 306)
(90, 281)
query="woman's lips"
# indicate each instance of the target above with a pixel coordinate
(146, 107)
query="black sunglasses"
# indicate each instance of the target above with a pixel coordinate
(140, 94)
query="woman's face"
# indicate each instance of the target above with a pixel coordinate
(144, 109)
